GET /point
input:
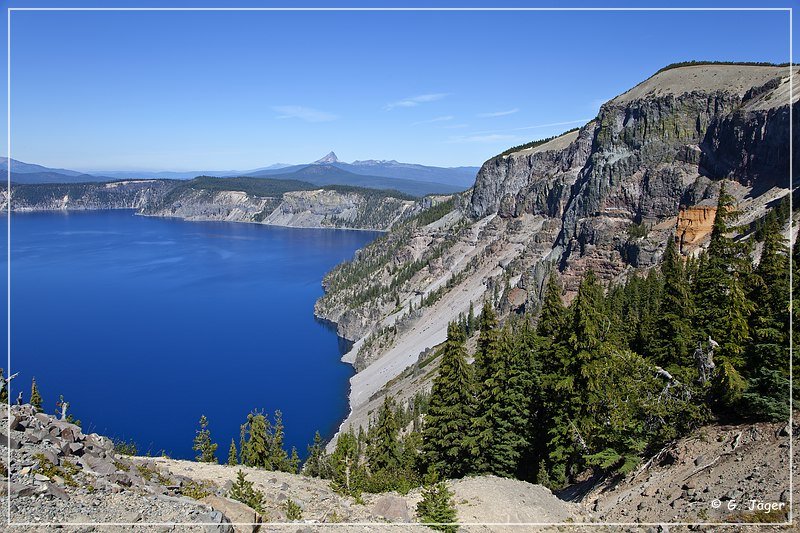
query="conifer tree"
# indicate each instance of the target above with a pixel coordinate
(767, 365)
(347, 470)
(277, 459)
(384, 446)
(206, 450)
(257, 449)
(242, 490)
(436, 509)
(487, 343)
(232, 456)
(316, 451)
(671, 341)
(294, 461)
(722, 305)
(450, 412)
(553, 313)
(36, 398)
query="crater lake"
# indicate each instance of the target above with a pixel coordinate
(145, 324)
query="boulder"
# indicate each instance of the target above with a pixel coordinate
(392, 508)
(56, 491)
(7, 441)
(18, 489)
(121, 478)
(236, 513)
(97, 465)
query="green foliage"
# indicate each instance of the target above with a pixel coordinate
(262, 443)
(437, 509)
(450, 413)
(242, 490)
(66, 471)
(315, 463)
(36, 398)
(232, 455)
(384, 446)
(293, 510)
(637, 231)
(348, 474)
(196, 490)
(124, 447)
(206, 450)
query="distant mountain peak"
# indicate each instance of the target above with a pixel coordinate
(329, 158)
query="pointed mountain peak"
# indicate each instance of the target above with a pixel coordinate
(329, 158)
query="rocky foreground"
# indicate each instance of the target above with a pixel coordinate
(59, 476)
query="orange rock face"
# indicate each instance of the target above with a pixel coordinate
(694, 225)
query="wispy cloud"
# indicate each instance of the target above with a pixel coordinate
(455, 126)
(445, 118)
(307, 114)
(414, 101)
(495, 138)
(499, 113)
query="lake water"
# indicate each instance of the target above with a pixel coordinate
(144, 324)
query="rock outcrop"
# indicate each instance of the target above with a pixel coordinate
(348, 207)
(606, 197)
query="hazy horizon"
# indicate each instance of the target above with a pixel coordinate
(187, 90)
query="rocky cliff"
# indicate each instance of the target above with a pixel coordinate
(216, 199)
(605, 197)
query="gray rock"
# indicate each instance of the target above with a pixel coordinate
(57, 492)
(97, 465)
(392, 508)
(7, 441)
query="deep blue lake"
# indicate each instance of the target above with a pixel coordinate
(145, 324)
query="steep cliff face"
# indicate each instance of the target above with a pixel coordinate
(133, 194)
(345, 207)
(606, 197)
(662, 145)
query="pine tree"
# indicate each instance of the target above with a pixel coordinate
(671, 341)
(258, 446)
(384, 446)
(242, 490)
(36, 398)
(293, 462)
(487, 343)
(232, 457)
(436, 509)
(450, 411)
(277, 458)
(313, 466)
(205, 449)
(767, 365)
(722, 305)
(553, 313)
(347, 470)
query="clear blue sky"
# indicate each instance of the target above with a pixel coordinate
(238, 90)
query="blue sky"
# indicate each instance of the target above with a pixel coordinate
(238, 90)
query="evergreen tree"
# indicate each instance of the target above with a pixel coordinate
(553, 313)
(450, 411)
(722, 306)
(242, 490)
(294, 461)
(277, 459)
(436, 509)
(487, 344)
(206, 450)
(316, 453)
(257, 449)
(347, 470)
(36, 398)
(767, 365)
(384, 446)
(232, 456)
(671, 342)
